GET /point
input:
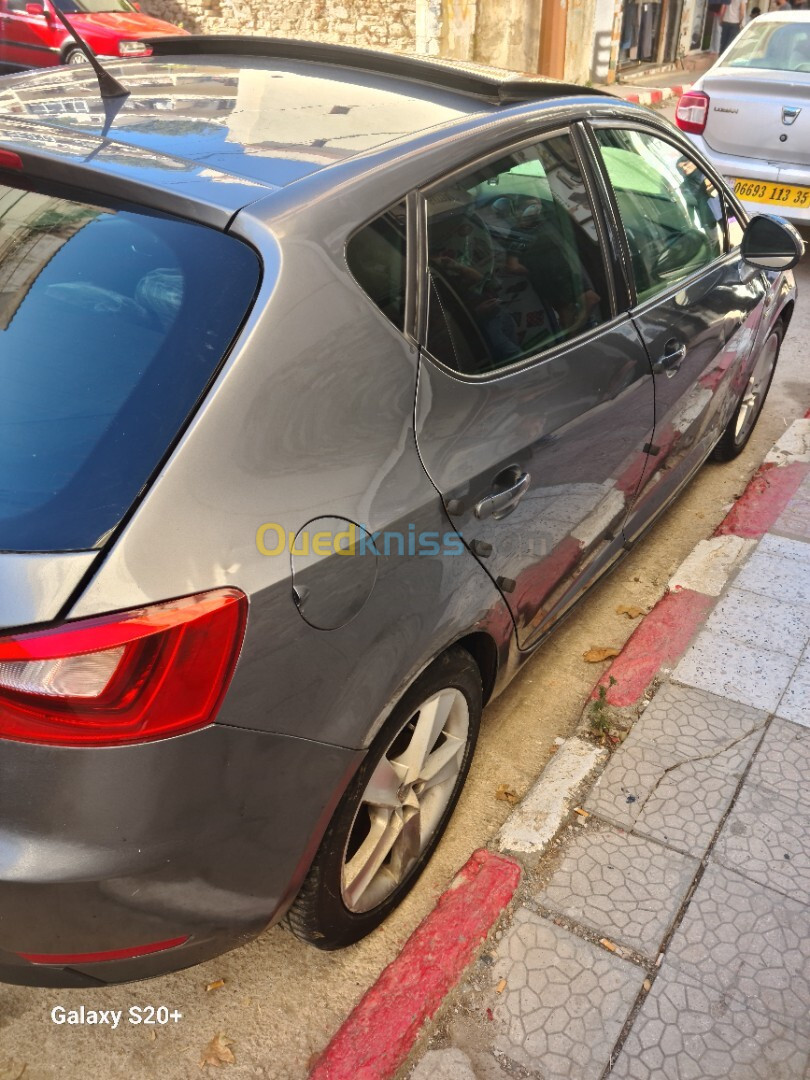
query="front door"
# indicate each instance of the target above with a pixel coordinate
(535, 396)
(26, 39)
(698, 306)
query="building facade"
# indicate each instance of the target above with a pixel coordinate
(579, 40)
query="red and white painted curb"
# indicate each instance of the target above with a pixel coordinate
(664, 635)
(379, 1034)
(655, 97)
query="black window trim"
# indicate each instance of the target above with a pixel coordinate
(672, 137)
(407, 330)
(422, 270)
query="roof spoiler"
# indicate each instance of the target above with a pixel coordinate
(494, 85)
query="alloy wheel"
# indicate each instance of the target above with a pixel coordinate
(405, 800)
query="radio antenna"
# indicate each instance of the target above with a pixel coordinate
(109, 87)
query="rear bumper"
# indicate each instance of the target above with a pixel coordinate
(204, 837)
(746, 168)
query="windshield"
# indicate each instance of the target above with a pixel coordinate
(112, 325)
(93, 7)
(776, 46)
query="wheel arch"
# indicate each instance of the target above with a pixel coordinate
(483, 649)
(69, 45)
(786, 314)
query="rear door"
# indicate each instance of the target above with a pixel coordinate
(697, 305)
(535, 396)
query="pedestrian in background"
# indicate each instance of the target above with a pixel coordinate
(716, 8)
(731, 22)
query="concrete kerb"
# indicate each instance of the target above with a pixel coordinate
(375, 1040)
(651, 98)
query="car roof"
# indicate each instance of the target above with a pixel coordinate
(788, 15)
(226, 121)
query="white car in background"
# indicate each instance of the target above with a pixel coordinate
(750, 115)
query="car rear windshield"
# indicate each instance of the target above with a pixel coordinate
(776, 46)
(113, 322)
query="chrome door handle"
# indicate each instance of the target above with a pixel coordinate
(503, 502)
(672, 359)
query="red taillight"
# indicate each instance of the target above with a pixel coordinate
(138, 675)
(692, 112)
(10, 160)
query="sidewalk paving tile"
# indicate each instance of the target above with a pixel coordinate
(680, 724)
(761, 622)
(765, 838)
(688, 804)
(449, 1063)
(629, 780)
(621, 886)
(795, 703)
(691, 724)
(565, 1001)
(783, 762)
(686, 1030)
(750, 942)
(795, 518)
(784, 547)
(751, 676)
(676, 774)
(778, 576)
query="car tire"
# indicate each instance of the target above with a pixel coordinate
(741, 426)
(390, 819)
(75, 56)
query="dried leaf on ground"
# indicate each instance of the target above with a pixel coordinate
(630, 611)
(597, 653)
(218, 1052)
(506, 794)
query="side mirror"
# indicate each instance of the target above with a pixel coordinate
(771, 243)
(35, 9)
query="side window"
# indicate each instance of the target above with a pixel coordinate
(671, 211)
(376, 256)
(514, 260)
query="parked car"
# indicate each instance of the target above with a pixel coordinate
(749, 115)
(32, 36)
(331, 379)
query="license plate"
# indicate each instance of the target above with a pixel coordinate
(766, 191)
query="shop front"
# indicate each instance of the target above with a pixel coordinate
(649, 32)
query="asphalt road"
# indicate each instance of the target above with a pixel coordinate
(281, 1000)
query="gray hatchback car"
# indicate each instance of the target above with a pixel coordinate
(330, 380)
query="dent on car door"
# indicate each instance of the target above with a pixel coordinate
(697, 304)
(535, 397)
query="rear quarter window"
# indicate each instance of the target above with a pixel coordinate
(113, 322)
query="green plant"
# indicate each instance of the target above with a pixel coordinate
(599, 718)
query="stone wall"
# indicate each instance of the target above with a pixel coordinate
(381, 23)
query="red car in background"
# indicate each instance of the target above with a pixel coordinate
(31, 35)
